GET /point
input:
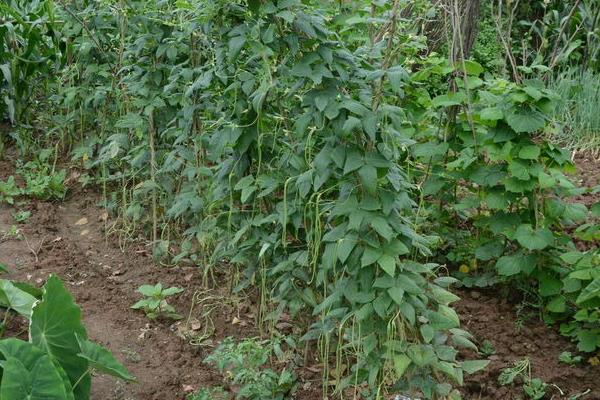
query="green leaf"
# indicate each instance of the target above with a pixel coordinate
(401, 363)
(591, 291)
(473, 67)
(396, 294)
(29, 373)
(427, 332)
(236, 44)
(525, 121)
(102, 360)
(587, 341)
(514, 264)
(388, 264)
(472, 366)
(171, 291)
(532, 239)
(491, 114)
(354, 161)
(382, 227)
(15, 298)
(370, 256)
(368, 178)
(150, 290)
(54, 322)
(531, 152)
(450, 99)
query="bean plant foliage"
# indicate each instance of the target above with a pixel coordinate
(317, 149)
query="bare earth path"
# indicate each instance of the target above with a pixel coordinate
(103, 281)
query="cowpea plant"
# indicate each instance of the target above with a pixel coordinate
(508, 189)
(307, 137)
(280, 147)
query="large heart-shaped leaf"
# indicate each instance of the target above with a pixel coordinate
(29, 373)
(16, 299)
(54, 322)
(102, 360)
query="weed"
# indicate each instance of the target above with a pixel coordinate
(216, 393)
(9, 190)
(22, 216)
(535, 388)
(568, 358)
(154, 304)
(13, 233)
(487, 348)
(42, 182)
(243, 364)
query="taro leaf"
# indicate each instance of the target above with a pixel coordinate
(16, 299)
(532, 239)
(54, 322)
(42, 382)
(3, 269)
(102, 360)
(472, 366)
(29, 373)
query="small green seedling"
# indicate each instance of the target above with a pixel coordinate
(22, 216)
(216, 393)
(535, 388)
(13, 233)
(155, 304)
(568, 358)
(487, 348)
(243, 364)
(9, 190)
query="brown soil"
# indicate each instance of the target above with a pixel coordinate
(489, 317)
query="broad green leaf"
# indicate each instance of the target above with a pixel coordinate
(15, 298)
(472, 366)
(514, 264)
(368, 178)
(427, 332)
(450, 99)
(532, 239)
(473, 67)
(491, 114)
(588, 340)
(388, 264)
(397, 294)
(401, 363)
(370, 256)
(54, 322)
(171, 291)
(591, 291)
(102, 360)
(29, 373)
(531, 152)
(42, 382)
(381, 226)
(525, 120)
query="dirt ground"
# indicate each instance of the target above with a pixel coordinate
(68, 239)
